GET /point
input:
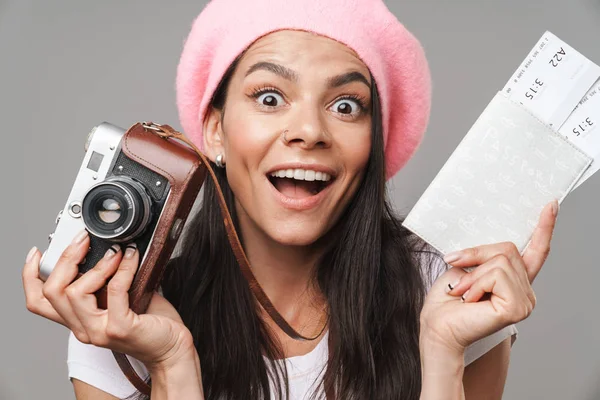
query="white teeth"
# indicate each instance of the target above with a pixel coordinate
(302, 175)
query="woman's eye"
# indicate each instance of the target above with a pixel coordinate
(347, 106)
(270, 99)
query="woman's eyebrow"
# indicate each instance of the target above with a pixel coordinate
(291, 75)
(277, 69)
(343, 79)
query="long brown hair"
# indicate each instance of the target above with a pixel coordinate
(369, 275)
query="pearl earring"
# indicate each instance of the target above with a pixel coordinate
(219, 161)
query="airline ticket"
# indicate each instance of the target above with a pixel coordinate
(552, 80)
(582, 128)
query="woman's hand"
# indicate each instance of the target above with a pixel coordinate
(463, 307)
(158, 338)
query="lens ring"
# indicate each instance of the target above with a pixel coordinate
(116, 209)
(93, 210)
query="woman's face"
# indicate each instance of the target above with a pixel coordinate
(294, 189)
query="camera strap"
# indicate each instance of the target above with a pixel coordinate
(167, 132)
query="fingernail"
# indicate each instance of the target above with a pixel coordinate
(130, 250)
(452, 257)
(555, 207)
(30, 254)
(112, 250)
(80, 237)
(451, 286)
(464, 296)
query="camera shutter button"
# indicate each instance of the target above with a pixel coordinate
(176, 229)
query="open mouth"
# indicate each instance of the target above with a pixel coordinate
(298, 183)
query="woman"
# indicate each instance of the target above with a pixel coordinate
(306, 108)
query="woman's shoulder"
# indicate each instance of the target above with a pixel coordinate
(429, 259)
(97, 367)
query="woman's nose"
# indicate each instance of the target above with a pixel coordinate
(307, 130)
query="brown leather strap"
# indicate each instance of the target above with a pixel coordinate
(131, 374)
(167, 132)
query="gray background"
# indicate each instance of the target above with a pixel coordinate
(67, 65)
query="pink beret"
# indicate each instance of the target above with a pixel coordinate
(225, 28)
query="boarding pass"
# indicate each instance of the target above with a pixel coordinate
(561, 86)
(552, 80)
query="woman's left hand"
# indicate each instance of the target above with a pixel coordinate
(463, 307)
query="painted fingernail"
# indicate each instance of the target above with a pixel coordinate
(464, 296)
(80, 237)
(555, 207)
(130, 250)
(30, 254)
(451, 286)
(112, 250)
(452, 257)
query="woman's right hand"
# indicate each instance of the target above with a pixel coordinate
(158, 338)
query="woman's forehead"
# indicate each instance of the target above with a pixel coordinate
(294, 46)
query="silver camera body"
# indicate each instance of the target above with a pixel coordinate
(115, 198)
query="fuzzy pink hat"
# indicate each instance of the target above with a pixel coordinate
(225, 28)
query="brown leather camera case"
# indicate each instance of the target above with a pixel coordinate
(185, 173)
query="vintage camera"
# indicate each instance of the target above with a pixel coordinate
(133, 186)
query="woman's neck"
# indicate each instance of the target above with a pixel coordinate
(285, 273)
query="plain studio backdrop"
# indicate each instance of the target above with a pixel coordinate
(66, 66)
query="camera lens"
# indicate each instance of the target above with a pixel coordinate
(116, 209)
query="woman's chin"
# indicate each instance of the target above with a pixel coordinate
(296, 238)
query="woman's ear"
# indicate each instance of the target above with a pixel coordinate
(213, 134)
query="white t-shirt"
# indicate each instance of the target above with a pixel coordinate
(97, 366)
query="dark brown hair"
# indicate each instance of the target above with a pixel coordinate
(369, 276)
